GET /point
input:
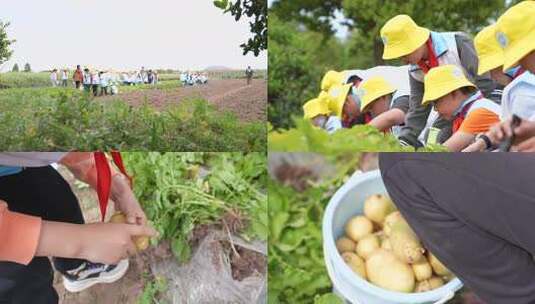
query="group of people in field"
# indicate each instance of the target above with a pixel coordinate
(188, 78)
(101, 83)
(466, 94)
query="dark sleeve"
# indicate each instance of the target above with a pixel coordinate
(469, 61)
(402, 103)
(417, 114)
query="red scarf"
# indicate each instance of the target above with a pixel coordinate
(519, 72)
(432, 61)
(104, 177)
(458, 121)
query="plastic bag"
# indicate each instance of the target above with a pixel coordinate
(207, 277)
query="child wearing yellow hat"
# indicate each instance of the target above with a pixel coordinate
(344, 104)
(458, 100)
(519, 92)
(424, 50)
(490, 55)
(515, 32)
(386, 104)
(317, 111)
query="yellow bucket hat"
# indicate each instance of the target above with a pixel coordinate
(330, 79)
(402, 36)
(315, 107)
(516, 32)
(373, 88)
(443, 80)
(488, 50)
(337, 96)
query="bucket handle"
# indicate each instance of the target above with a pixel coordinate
(446, 298)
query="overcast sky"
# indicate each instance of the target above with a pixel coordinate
(125, 34)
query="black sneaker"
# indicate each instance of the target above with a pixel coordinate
(89, 274)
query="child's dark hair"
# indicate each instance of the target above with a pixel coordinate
(353, 79)
(468, 90)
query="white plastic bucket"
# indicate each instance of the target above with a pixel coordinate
(347, 202)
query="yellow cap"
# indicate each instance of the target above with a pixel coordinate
(315, 107)
(337, 97)
(443, 80)
(330, 79)
(516, 33)
(373, 88)
(488, 50)
(402, 36)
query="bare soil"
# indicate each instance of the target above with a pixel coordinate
(248, 102)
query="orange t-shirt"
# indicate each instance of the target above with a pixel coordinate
(479, 121)
(483, 113)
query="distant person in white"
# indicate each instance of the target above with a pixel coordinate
(64, 78)
(54, 78)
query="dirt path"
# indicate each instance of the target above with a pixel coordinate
(247, 102)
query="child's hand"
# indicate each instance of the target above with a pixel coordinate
(126, 202)
(109, 243)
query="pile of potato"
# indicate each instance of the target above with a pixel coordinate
(382, 248)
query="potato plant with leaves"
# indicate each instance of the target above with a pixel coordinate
(58, 119)
(179, 191)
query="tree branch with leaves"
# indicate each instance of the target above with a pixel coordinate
(256, 10)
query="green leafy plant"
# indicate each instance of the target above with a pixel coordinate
(296, 267)
(54, 119)
(179, 191)
(364, 138)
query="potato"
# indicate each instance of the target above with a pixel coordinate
(367, 246)
(345, 244)
(430, 284)
(142, 242)
(377, 207)
(358, 227)
(355, 263)
(405, 244)
(385, 270)
(436, 282)
(386, 245)
(438, 267)
(422, 270)
(390, 220)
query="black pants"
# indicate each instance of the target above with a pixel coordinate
(77, 84)
(40, 192)
(475, 212)
(95, 89)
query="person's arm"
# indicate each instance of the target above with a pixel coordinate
(16, 246)
(416, 118)
(388, 119)
(470, 61)
(100, 243)
(477, 146)
(82, 165)
(458, 141)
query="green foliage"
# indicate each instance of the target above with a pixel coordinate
(179, 191)
(316, 15)
(296, 268)
(15, 68)
(363, 138)
(5, 43)
(152, 290)
(27, 68)
(255, 10)
(58, 119)
(297, 61)
(24, 80)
